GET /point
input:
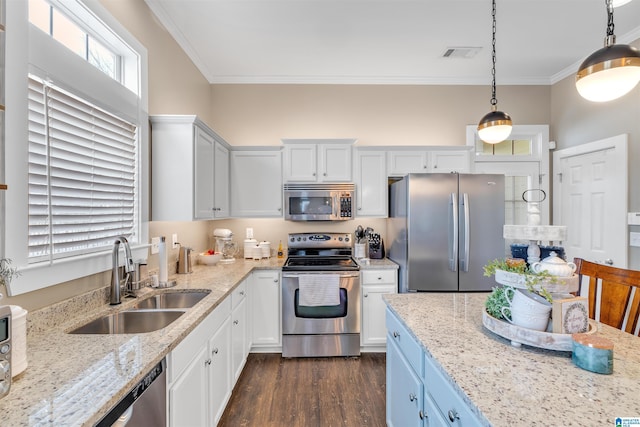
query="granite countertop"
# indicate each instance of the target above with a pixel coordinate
(378, 264)
(73, 380)
(509, 386)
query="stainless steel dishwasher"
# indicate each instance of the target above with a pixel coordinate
(145, 405)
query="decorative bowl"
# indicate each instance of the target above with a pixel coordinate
(209, 259)
(563, 285)
(541, 339)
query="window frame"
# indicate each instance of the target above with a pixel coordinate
(34, 52)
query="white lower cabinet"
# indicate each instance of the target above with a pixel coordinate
(187, 399)
(375, 284)
(199, 372)
(418, 392)
(239, 329)
(266, 314)
(220, 382)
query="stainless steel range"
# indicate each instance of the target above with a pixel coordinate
(320, 296)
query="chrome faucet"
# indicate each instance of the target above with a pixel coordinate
(115, 272)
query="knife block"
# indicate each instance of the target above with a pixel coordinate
(376, 248)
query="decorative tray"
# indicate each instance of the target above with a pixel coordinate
(540, 339)
(563, 285)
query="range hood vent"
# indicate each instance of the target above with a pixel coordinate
(461, 52)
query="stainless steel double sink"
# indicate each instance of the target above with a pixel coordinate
(147, 315)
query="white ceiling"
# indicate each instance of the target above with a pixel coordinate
(389, 41)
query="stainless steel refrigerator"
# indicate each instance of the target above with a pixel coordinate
(443, 228)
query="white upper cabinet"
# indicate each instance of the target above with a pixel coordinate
(221, 182)
(450, 161)
(371, 182)
(317, 160)
(256, 183)
(189, 170)
(402, 161)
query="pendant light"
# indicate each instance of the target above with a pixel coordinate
(610, 72)
(496, 125)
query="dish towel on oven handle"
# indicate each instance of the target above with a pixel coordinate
(319, 290)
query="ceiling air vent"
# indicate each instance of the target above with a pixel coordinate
(461, 52)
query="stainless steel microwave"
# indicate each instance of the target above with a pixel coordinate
(318, 202)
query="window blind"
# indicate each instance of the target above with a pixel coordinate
(83, 180)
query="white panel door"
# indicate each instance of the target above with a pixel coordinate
(203, 175)
(221, 181)
(590, 198)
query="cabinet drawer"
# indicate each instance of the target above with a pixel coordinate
(406, 342)
(238, 294)
(370, 277)
(446, 398)
(182, 355)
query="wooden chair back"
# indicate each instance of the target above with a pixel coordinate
(614, 294)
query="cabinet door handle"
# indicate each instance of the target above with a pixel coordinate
(207, 362)
(214, 352)
(366, 295)
(413, 398)
(242, 293)
(396, 334)
(453, 415)
(423, 415)
(276, 280)
(235, 322)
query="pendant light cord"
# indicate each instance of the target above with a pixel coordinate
(494, 101)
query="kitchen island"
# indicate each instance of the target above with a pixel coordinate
(73, 380)
(502, 385)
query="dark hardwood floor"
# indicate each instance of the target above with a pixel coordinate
(309, 392)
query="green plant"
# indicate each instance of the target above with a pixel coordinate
(497, 299)
(7, 273)
(501, 264)
(533, 280)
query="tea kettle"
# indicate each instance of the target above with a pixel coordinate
(184, 260)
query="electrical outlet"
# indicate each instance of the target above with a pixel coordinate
(174, 240)
(155, 241)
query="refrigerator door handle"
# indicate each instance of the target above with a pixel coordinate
(453, 241)
(465, 254)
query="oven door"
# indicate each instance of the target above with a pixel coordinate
(308, 320)
(311, 205)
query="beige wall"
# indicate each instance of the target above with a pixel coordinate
(176, 86)
(576, 121)
(374, 115)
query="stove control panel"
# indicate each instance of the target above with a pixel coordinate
(320, 240)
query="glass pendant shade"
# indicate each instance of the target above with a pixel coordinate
(609, 73)
(495, 127)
